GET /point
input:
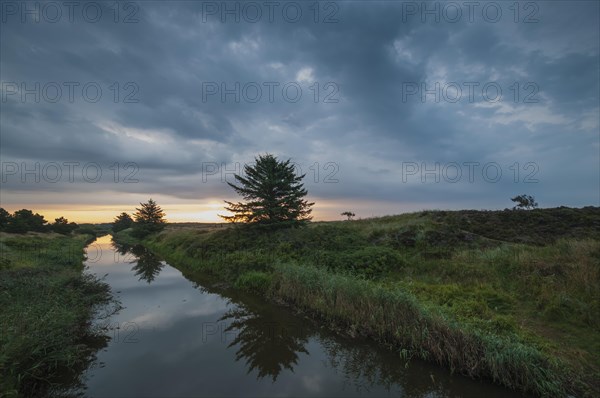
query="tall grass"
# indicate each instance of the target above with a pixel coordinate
(46, 304)
(396, 318)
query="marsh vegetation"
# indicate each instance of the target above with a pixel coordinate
(508, 296)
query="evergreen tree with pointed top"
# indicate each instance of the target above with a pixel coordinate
(149, 219)
(273, 194)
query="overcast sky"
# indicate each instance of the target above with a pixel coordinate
(386, 106)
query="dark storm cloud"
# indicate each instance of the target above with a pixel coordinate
(172, 127)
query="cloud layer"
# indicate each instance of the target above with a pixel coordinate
(391, 102)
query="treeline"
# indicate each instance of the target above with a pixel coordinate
(24, 220)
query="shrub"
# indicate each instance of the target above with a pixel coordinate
(369, 261)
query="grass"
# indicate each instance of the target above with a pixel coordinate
(47, 304)
(395, 318)
(508, 296)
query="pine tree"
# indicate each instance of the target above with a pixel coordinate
(121, 222)
(149, 218)
(273, 194)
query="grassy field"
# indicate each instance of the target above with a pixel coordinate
(509, 296)
(47, 304)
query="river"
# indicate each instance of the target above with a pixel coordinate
(176, 337)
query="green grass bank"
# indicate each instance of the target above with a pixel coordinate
(47, 304)
(508, 296)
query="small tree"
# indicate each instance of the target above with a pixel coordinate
(62, 226)
(121, 222)
(525, 202)
(5, 219)
(149, 219)
(273, 192)
(348, 214)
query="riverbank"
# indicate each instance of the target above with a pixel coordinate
(47, 304)
(508, 296)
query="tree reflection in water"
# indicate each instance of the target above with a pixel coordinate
(146, 264)
(121, 249)
(268, 346)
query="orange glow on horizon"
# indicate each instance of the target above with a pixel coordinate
(208, 212)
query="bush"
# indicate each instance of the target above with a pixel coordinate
(369, 261)
(141, 230)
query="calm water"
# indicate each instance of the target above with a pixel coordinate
(180, 338)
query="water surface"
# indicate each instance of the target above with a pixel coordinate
(181, 338)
